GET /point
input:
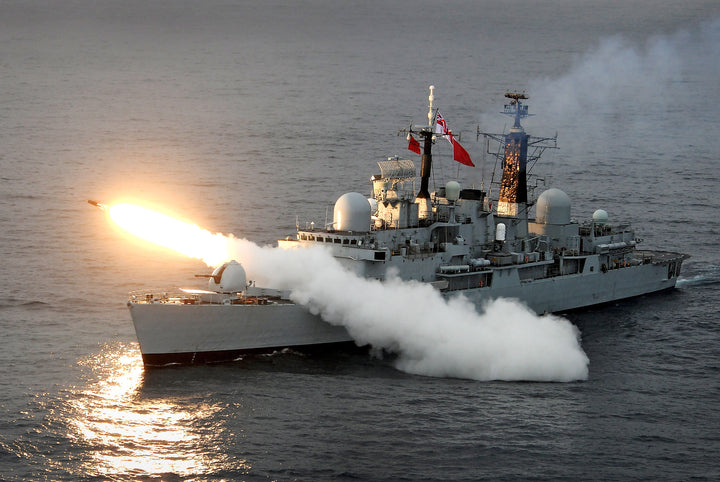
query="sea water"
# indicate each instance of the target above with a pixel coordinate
(244, 117)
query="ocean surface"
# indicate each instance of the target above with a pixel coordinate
(244, 117)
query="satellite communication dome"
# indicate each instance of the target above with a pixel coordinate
(228, 278)
(600, 217)
(452, 191)
(553, 207)
(352, 213)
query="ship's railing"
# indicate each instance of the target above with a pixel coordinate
(149, 293)
(661, 257)
(178, 296)
(588, 228)
(162, 295)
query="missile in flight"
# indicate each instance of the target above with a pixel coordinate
(98, 204)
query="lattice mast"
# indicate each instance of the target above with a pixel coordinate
(516, 146)
(513, 186)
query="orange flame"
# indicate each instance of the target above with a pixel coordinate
(185, 238)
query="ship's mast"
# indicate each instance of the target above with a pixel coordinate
(512, 200)
(426, 133)
(518, 153)
(426, 159)
(517, 149)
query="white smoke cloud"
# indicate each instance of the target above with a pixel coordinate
(628, 89)
(431, 335)
(615, 74)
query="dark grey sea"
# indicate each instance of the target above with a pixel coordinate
(242, 116)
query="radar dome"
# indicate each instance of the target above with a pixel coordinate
(600, 217)
(452, 191)
(352, 213)
(228, 278)
(553, 207)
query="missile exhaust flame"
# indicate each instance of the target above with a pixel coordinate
(161, 229)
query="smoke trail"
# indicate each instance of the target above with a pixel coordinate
(633, 90)
(432, 336)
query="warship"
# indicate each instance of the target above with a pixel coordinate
(451, 238)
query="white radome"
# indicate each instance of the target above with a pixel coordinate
(553, 207)
(228, 278)
(352, 213)
(452, 191)
(600, 217)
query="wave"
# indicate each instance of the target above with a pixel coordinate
(31, 305)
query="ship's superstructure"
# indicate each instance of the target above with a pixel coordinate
(450, 238)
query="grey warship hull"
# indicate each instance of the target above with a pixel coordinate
(582, 290)
(452, 239)
(191, 331)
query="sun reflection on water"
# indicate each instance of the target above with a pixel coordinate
(124, 432)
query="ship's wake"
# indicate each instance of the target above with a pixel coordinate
(708, 276)
(431, 335)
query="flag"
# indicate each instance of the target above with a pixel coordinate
(440, 125)
(459, 152)
(414, 145)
